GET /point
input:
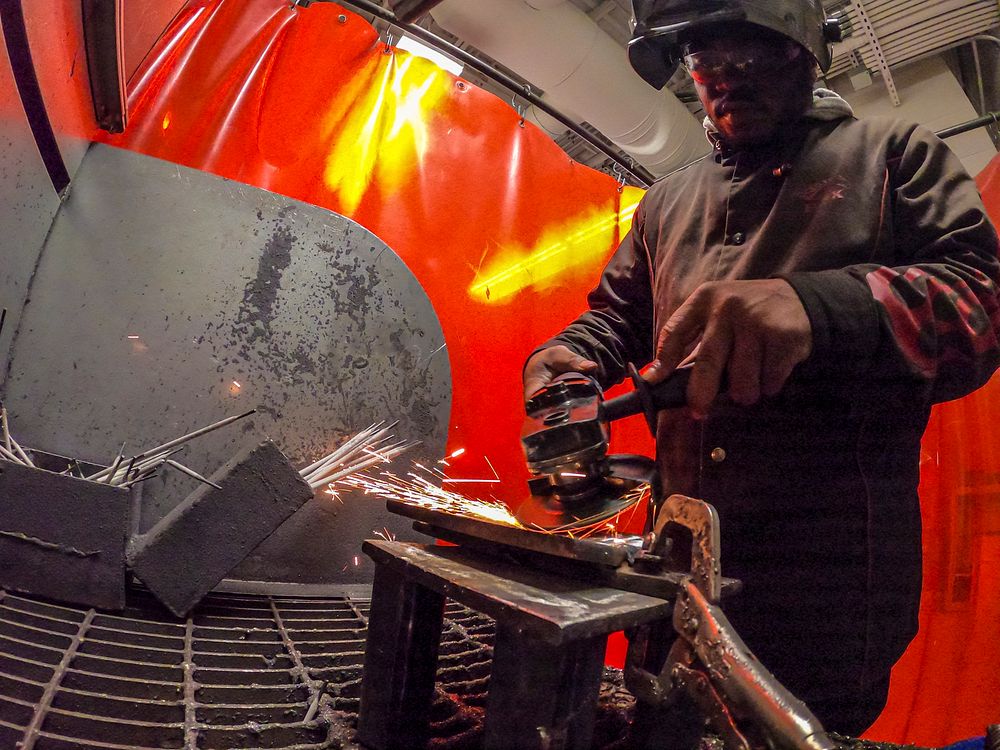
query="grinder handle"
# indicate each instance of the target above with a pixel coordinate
(647, 399)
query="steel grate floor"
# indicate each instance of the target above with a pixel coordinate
(244, 671)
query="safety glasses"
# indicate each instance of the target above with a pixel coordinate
(745, 60)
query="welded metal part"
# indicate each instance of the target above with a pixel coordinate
(548, 652)
(745, 689)
(198, 297)
(400, 662)
(550, 607)
(62, 537)
(213, 530)
(542, 696)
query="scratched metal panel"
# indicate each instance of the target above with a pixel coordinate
(235, 297)
(27, 205)
(55, 34)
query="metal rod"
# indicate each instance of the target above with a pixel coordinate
(196, 433)
(642, 176)
(6, 427)
(988, 119)
(191, 473)
(19, 451)
(9, 455)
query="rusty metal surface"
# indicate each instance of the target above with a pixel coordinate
(236, 297)
(611, 552)
(554, 608)
(62, 537)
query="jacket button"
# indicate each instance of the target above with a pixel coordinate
(718, 455)
(739, 238)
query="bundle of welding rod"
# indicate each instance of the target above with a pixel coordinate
(9, 448)
(373, 445)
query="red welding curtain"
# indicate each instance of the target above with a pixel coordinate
(506, 235)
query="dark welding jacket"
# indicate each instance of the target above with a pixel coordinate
(882, 234)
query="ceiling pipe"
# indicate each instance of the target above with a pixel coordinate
(558, 48)
(411, 11)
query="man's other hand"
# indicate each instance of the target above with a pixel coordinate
(549, 363)
(753, 331)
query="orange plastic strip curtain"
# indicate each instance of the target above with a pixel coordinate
(506, 234)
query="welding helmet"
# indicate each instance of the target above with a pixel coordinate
(659, 28)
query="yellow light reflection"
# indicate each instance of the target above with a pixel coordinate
(574, 246)
(379, 124)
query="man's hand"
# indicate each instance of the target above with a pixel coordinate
(549, 363)
(754, 331)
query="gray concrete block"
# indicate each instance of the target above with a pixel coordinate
(61, 537)
(194, 546)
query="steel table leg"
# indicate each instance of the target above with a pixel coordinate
(404, 628)
(541, 695)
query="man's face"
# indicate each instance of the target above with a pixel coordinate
(749, 83)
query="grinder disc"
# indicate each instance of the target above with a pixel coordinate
(551, 513)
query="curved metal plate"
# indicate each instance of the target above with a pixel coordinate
(168, 298)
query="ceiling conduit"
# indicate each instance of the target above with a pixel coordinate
(562, 51)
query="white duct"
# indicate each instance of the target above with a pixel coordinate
(558, 48)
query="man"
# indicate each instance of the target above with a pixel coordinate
(838, 276)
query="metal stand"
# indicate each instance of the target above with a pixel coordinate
(547, 657)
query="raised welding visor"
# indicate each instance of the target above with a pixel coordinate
(62, 537)
(191, 549)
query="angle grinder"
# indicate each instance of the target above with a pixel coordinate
(575, 483)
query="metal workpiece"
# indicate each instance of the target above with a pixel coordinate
(200, 297)
(603, 551)
(552, 608)
(746, 689)
(62, 537)
(204, 538)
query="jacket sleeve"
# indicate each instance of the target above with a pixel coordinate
(933, 316)
(618, 326)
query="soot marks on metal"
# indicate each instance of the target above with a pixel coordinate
(261, 294)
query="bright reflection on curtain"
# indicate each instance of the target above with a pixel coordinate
(380, 124)
(562, 251)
